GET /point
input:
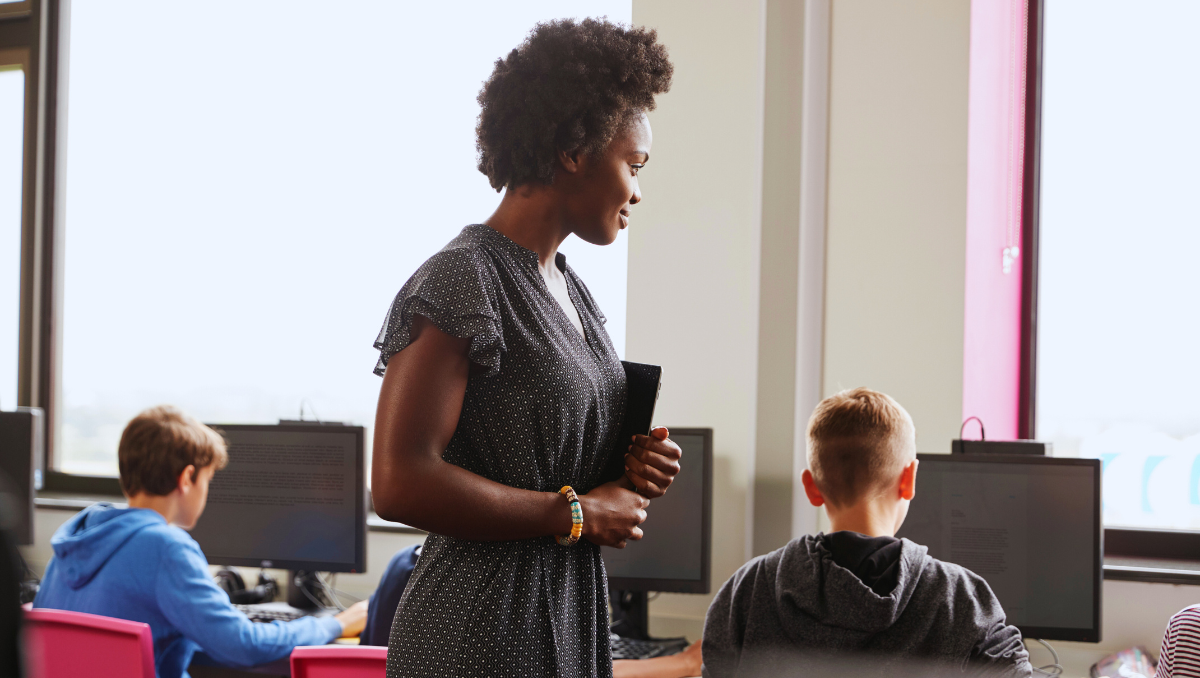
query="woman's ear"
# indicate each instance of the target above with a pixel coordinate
(569, 161)
(908, 481)
(810, 488)
(186, 480)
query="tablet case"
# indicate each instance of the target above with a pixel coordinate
(642, 383)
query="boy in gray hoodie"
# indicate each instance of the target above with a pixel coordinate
(858, 601)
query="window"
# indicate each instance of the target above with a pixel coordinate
(12, 126)
(1118, 309)
(245, 196)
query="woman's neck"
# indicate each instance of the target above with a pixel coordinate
(531, 217)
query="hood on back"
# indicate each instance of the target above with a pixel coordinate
(811, 588)
(85, 542)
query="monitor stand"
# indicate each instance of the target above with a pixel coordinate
(630, 613)
(300, 582)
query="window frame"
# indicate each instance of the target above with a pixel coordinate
(16, 10)
(41, 27)
(1151, 555)
(44, 26)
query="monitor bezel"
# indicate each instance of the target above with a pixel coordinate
(1076, 634)
(359, 565)
(704, 584)
(19, 469)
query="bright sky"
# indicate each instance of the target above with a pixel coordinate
(1119, 307)
(12, 117)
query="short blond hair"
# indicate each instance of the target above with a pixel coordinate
(856, 444)
(158, 444)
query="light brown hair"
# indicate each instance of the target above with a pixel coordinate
(856, 444)
(158, 444)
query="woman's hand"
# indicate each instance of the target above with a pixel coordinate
(652, 463)
(612, 513)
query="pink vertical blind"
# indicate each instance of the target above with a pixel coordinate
(995, 152)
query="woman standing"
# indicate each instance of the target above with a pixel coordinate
(501, 385)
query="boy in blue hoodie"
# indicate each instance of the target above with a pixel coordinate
(138, 563)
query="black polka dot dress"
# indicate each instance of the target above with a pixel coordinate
(543, 410)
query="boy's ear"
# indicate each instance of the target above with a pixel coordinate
(810, 489)
(186, 479)
(908, 481)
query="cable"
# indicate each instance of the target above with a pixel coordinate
(1054, 669)
(316, 417)
(315, 600)
(982, 435)
(298, 582)
(29, 575)
(341, 593)
(330, 594)
(30, 582)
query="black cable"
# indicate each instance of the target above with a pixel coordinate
(311, 410)
(982, 435)
(299, 582)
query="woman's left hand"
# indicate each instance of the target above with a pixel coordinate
(652, 463)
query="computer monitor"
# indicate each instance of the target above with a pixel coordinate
(675, 553)
(1030, 526)
(21, 453)
(292, 497)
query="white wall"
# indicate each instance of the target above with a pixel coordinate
(694, 256)
(897, 206)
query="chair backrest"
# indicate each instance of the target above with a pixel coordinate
(62, 644)
(339, 661)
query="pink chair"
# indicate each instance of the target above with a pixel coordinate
(61, 644)
(339, 661)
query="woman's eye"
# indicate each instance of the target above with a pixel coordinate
(636, 168)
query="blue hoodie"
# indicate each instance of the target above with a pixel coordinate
(130, 564)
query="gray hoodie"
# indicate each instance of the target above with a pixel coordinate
(796, 612)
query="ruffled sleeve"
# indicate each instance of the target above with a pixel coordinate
(456, 290)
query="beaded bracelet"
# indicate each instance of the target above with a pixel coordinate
(576, 517)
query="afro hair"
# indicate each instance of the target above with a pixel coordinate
(570, 86)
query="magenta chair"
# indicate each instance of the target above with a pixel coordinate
(339, 661)
(61, 644)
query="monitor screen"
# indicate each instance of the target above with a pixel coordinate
(674, 554)
(1030, 526)
(292, 496)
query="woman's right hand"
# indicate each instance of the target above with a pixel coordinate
(612, 513)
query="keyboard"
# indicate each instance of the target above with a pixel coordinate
(269, 612)
(632, 648)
